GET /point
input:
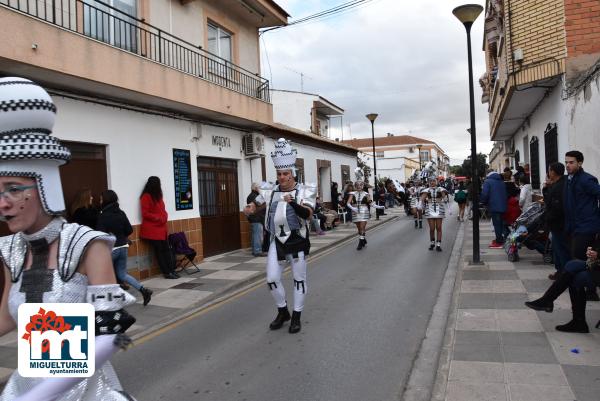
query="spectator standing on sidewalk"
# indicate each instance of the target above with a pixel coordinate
(154, 226)
(114, 221)
(335, 196)
(525, 196)
(582, 216)
(554, 215)
(256, 221)
(494, 197)
(460, 197)
(82, 209)
(379, 197)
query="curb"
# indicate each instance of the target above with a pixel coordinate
(423, 375)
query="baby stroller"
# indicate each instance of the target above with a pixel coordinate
(529, 230)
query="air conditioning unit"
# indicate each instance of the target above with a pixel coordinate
(254, 145)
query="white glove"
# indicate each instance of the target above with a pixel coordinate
(353, 208)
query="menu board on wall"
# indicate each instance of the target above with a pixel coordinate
(183, 179)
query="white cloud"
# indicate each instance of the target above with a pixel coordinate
(403, 59)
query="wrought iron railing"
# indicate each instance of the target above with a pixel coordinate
(100, 21)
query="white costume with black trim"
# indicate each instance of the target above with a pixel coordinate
(28, 150)
(360, 206)
(415, 195)
(288, 233)
(434, 204)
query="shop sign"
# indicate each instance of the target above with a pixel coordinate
(221, 142)
(182, 175)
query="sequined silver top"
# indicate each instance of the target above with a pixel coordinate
(67, 285)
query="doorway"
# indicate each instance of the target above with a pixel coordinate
(218, 201)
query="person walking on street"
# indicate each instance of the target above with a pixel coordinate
(432, 201)
(360, 202)
(289, 208)
(256, 221)
(582, 216)
(494, 197)
(154, 226)
(460, 197)
(114, 221)
(415, 198)
(554, 215)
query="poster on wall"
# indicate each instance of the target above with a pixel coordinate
(183, 179)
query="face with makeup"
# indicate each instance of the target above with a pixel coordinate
(286, 179)
(359, 185)
(20, 205)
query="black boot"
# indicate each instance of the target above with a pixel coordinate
(295, 324)
(546, 302)
(283, 315)
(146, 294)
(591, 294)
(578, 323)
(420, 223)
(365, 238)
(438, 247)
(361, 244)
(432, 245)
(416, 223)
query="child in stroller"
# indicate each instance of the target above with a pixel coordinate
(529, 230)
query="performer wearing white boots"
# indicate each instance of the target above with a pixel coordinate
(360, 202)
(415, 197)
(289, 208)
(432, 202)
(47, 259)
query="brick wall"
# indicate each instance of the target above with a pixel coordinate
(582, 25)
(142, 264)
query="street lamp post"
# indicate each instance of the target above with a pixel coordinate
(419, 146)
(467, 14)
(372, 118)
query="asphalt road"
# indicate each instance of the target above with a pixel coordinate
(365, 316)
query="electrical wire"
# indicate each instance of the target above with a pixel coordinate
(325, 13)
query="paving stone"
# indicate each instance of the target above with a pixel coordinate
(510, 301)
(525, 339)
(459, 391)
(586, 344)
(490, 275)
(583, 377)
(476, 352)
(230, 275)
(540, 374)
(477, 337)
(505, 286)
(536, 285)
(476, 301)
(527, 392)
(528, 354)
(535, 274)
(216, 265)
(159, 282)
(518, 320)
(476, 372)
(475, 286)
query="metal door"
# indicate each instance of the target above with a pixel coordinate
(219, 205)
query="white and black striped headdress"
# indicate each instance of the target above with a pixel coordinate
(359, 176)
(284, 157)
(27, 149)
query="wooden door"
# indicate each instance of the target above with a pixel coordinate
(219, 205)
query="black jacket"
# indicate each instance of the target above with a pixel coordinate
(259, 216)
(554, 213)
(86, 216)
(114, 221)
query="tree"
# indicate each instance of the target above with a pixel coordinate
(456, 170)
(365, 167)
(482, 166)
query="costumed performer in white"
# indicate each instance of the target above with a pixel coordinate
(289, 208)
(415, 194)
(432, 201)
(360, 202)
(47, 259)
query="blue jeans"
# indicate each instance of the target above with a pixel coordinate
(257, 238)
(560, 250)
(581, 275)
(498, 223)
(119, 258)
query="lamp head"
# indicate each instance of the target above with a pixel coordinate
(467, 14)
(372, 117)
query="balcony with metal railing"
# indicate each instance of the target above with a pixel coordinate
(101, 22)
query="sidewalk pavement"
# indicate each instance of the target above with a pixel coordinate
(220, 276)
(497, 349)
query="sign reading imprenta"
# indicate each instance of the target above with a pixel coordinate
(221, 142)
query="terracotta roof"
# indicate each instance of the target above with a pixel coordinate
(387, 141)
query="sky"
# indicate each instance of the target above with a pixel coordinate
(405, 60)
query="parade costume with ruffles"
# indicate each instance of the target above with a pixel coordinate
(434, 206)
(28, 150)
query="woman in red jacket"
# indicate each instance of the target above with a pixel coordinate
(154, 226)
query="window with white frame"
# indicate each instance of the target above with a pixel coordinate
(112, 21)
(425, 155)
(379, 154)
(220, 42)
